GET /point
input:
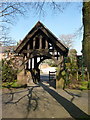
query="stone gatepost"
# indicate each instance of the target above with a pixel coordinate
(60, 82)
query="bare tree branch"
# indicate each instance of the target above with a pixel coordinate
(67, 40)
(9, 11)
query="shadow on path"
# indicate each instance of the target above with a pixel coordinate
(73, 95)
(72, 109)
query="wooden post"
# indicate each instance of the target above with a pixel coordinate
(28, 55)
(31, 63)
(49, 76)
(40, 42)
(34, 41)
(24, 58)
(35, 62)
(57, 55)
(25, 64)
(53, 52)
(28, 47)
(46, 47)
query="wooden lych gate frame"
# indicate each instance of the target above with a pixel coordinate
(40, 44)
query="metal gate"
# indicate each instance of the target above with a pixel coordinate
(52, 79)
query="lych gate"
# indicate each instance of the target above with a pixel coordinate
(38, 45)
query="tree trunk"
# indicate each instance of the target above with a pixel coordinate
(86, 36)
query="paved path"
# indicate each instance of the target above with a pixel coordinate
(46, 103)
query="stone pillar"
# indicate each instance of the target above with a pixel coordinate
(62, 62)
(22, 76)
(60, 82)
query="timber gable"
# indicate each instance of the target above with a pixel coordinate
(39, 30)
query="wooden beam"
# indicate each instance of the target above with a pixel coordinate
(35, 50)
(21, 55)
(47, 55)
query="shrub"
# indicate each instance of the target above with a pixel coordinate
(10, 84)
(85, 85)
(9, 74)
(88, 86)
